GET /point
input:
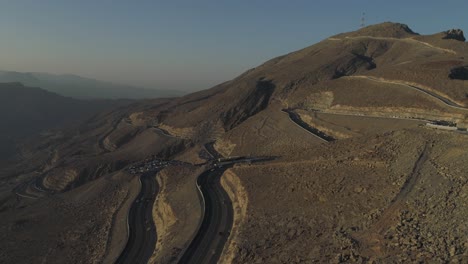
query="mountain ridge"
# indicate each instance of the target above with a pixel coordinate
(79, 87)
(388, 188)
(28, 111)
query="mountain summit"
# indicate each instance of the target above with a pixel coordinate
(386, 29)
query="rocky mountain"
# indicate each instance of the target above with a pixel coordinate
(387, 184)
(83, 88)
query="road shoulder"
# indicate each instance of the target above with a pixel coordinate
(119, 233)
(176, 212)
(233, 186)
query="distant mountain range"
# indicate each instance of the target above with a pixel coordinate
(84, 88)
(27, 111)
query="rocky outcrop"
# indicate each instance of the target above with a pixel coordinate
(255, 101)
(59, 179)
(456, 34)
(355, 63)
(459, 73)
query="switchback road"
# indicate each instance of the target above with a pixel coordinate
(33, 189)
(142, 231)
(218, 215)
(213, 152)
(208, 244)
(295, 118)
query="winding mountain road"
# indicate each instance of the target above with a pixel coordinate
(142, 231)
(101, 140)
(33, 189)
(212, 151)
(296, 119)
(218, 215)
(208, 244)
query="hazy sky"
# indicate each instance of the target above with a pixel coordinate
(192, 44)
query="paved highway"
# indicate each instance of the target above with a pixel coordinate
(142, 231)
(298, 121)
(210, 148)
(218, 215)
(33, 189)
(216, 225)
(102, 139)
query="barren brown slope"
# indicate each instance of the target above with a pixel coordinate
(386, 50)
(390, 51)
(363, 199)
(324, 194)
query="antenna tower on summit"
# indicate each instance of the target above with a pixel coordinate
(363, 20)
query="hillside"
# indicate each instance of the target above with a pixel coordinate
(355, 173)
(83, 88)
(27, 111)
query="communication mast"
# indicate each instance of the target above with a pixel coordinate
(363, 20)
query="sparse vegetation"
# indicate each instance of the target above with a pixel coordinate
(387, 190)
